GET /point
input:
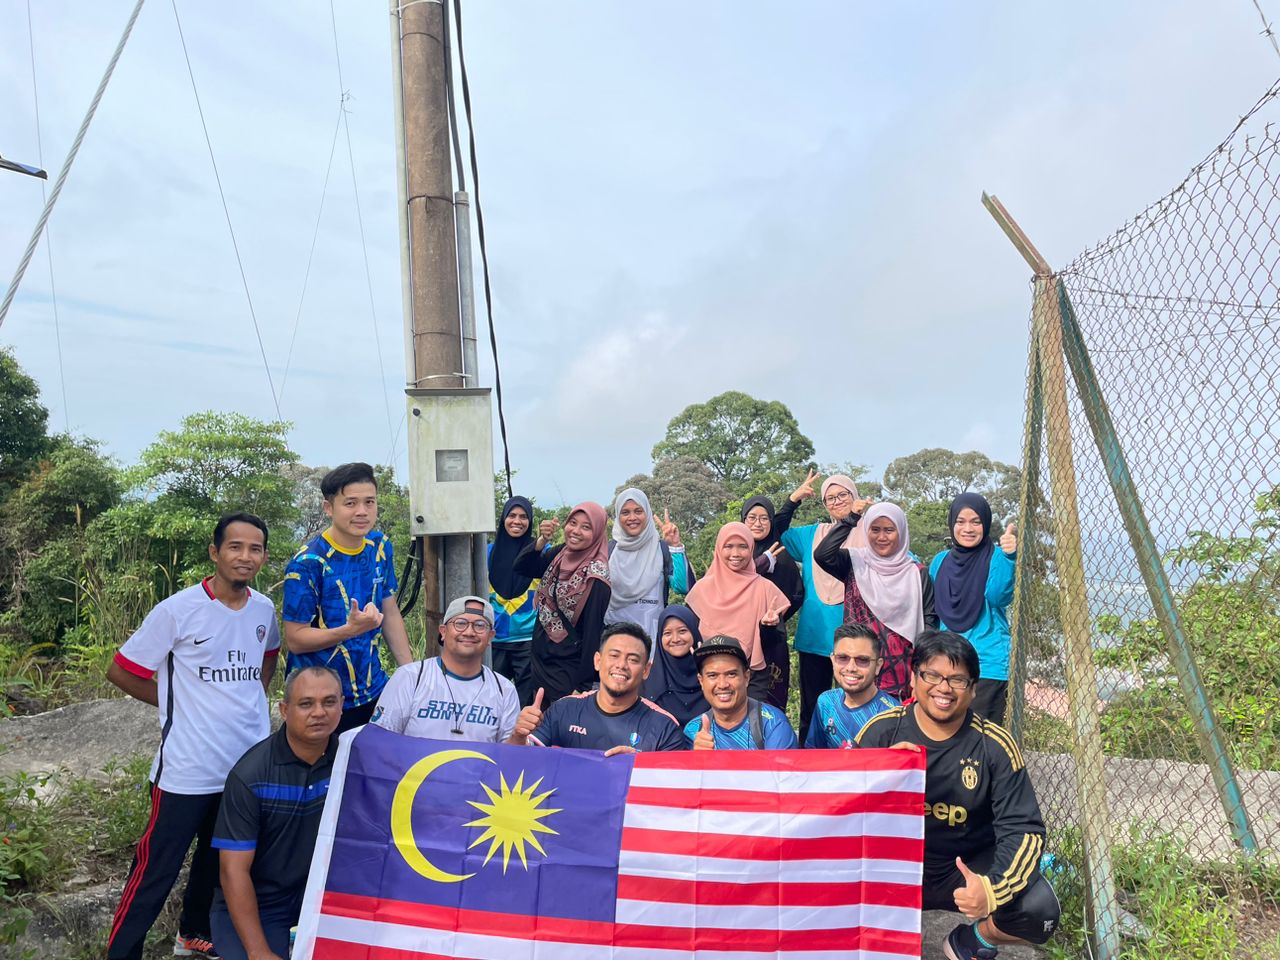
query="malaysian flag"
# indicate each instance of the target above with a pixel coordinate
(431, 849)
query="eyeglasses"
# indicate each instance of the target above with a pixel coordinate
(844, 659)
(953, 683)
(756, 521)
(462, 625)
(842, 497)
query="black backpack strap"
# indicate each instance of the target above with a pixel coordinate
(668, 568)
(755, 722)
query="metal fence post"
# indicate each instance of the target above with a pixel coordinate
(1153, 574)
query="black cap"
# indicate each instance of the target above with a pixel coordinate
(711, 646)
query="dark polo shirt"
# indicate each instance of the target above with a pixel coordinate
(271, 805)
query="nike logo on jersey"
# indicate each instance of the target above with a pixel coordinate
(198, 642)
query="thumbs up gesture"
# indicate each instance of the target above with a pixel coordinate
(971, 899)
(704, 740)
(362, 621)
(1009, 539)
(528, 721)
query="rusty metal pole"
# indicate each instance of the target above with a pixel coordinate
(1082, 679)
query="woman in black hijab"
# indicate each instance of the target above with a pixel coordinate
(775, 565)
(972, 590)
(511, 595)
(673, 679)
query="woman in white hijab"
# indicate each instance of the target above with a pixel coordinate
(646, 562)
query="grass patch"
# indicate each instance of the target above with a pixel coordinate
(1190, 909)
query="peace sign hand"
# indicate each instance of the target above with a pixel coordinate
(805, 490)
(770, 618)
(668, 529)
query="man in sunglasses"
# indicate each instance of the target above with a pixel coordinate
(983, 832)
(839, 714)
(453, 696)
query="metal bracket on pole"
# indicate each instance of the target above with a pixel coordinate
(1153, 574)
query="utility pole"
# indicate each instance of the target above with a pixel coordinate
(429, 254)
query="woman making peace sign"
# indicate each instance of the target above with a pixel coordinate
(733, 600)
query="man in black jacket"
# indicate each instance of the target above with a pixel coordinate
(983, 832)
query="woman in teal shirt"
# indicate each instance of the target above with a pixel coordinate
(972, 590)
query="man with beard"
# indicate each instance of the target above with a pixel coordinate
(613, 717)
(203, 657)
(453, 696)
(839, 715)
(983, 831)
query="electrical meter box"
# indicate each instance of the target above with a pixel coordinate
(450, 461)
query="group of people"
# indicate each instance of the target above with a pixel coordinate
(578, 645)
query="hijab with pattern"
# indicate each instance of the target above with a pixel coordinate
(635, 564)
(503, 580)
(764, 503)
(567, 581)
(830, 590)
(673, 681)
(890, 585)
(960, 586)
(732, 604)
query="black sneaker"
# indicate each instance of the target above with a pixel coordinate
(962, 944)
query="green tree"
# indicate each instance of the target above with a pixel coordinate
(1231, 616)
(42, 538)
(939, 475)
(738, 438)
(24, 424)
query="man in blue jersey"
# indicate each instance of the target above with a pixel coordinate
(735, 721)
(340, 595)
(614, 717)
(839, 714)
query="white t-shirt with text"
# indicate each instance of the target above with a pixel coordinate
(207, 660)
(424, 699)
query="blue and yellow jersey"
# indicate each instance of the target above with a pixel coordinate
(319, 584)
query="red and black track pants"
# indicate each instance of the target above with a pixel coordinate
(176, 819)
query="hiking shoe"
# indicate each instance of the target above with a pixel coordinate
(194, 946)
(961, 944)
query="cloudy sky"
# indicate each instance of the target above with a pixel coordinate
(681, 199)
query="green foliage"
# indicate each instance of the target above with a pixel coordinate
(686, 487)
(738, 438)
(939, 475)
(1232, 619)
(23, 424)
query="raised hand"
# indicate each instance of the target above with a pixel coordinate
(667, 528)
(805, 490)
(547, 531)
(362, 621)
(770, 618)
(860, 505)
(704, 740)
(528, 720)
(1009, 539)
(971, 899)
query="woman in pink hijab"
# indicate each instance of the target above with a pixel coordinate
(733, 600)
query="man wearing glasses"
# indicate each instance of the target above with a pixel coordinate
(841, 713)
(453, 696)
(983, 832)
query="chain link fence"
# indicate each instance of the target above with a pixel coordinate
(1162, 719)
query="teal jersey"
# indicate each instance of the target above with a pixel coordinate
(836, 725)
(778, 734)
(319, 584)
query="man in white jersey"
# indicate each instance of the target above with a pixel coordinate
(204, 657)
(453, 696)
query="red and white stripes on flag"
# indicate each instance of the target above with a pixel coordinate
(725, 855)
